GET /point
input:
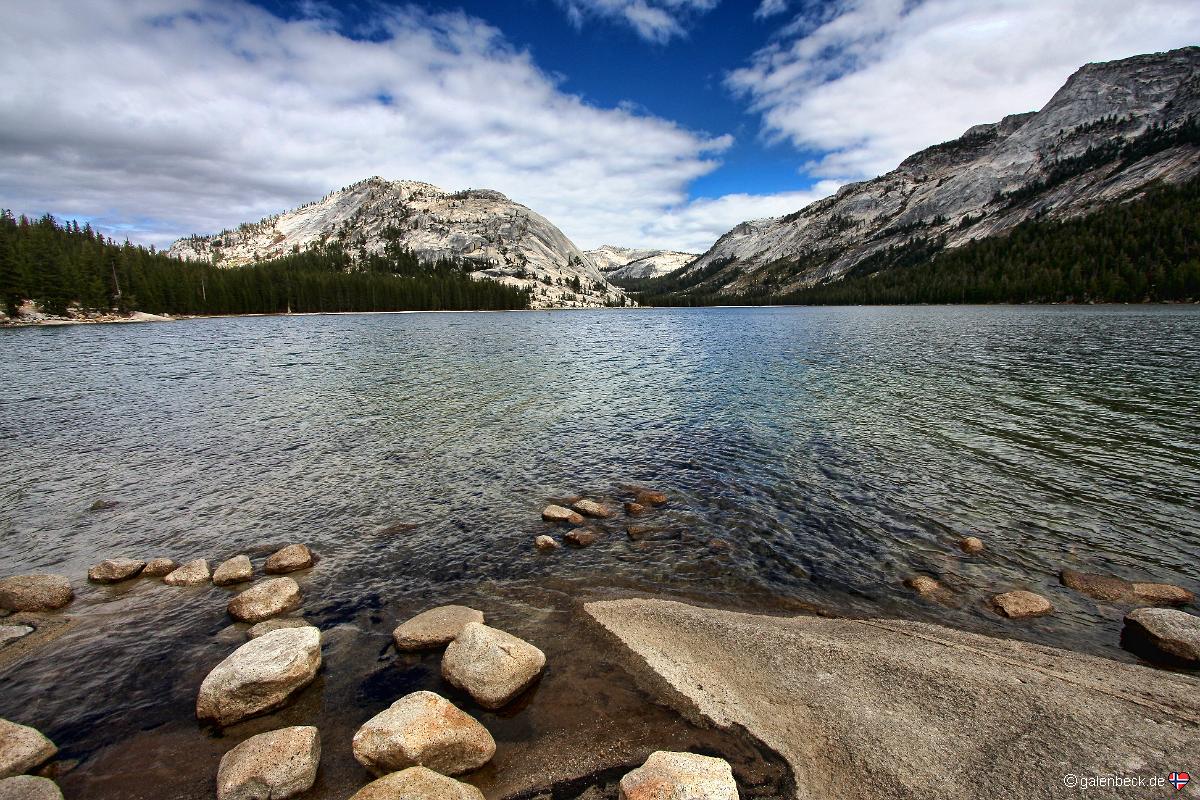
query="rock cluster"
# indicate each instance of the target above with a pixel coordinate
(491, 665)
(260, 676)
(423, 729)
(581, 507)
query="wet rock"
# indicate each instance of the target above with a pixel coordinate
(581, 537)
(634, 509)
(277, 624)
(236, 570)
(114, 570)
(423, 729)
(922, 584)
(1020, 604)
(159, 567)
(434, 628)
(648, 497)
(271, 765)
(719, 545)
(10, 633)
(265, 600)
(396, 527)
(260, 676)
(560, 514)
(1168, 631)
(680, 776)
(1165, 594)
(29, 787)
(103, 505)
(491, 665)
(1101, 587)
(545, 542)
(417, 783)
(193, 573)
(591, 508)
(22, 749)
(42, 592)
(971, 544)
(289, 559)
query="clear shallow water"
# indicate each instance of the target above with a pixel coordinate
(834, 451)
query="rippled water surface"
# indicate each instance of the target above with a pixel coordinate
(829, 453)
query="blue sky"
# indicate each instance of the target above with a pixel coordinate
(657, 123)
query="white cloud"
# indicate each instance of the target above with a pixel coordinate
(864, 83)
(656, 21)
(159, 118)
(769, 8)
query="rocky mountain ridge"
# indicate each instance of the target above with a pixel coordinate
(509, 242)
(629, 263)
(1112, 130)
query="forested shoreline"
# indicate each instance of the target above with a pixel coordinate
(64, 266)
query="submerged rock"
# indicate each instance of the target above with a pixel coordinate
(922, 584)
(1020, 604)
(289, 559)
(559, 514)
(581, 537)
(592, 509)
(648, 497)
(1162, 594)
(971, 544)
(434, 628)
(680, 776)
(29, 787)
(545, 542)
(1169, 631)
(417, 783)
(265, 600)
(10, 633)
(193, 573)
(1118, 590)
(22, 748)
(158, 567)
(260, 676)
(236, 570)
(271, 765)
(423, 729)
(634, 509)
(41, 592)
(277, 624)
(103, 505)
(491, 665)
(114, 570)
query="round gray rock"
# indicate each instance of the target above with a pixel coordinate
(260, 676)
(159, 567)
(29, 787)
(41, 592)
(680, 776)
(114, 570)
(265, 600)
(271, 765)
(435, 627)
(1174, 632)
(417, 783)
(22, 748)
(193, 573)
(236, 570)
(275, 624)
(289, 559)
(423, 729)
(491, 665)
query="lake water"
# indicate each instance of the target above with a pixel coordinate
(829, 452)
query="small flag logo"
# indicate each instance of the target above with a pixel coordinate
(1178, 779)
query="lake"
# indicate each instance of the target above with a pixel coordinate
(813, 458)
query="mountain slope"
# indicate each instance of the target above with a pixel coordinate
(507, 241)
(628, 263)
(1111, 131)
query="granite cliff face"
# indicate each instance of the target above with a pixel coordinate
(509, 242)
(628, 263)
(1109, 132)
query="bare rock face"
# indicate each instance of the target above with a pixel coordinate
(591, 508)
(114, 570)
(43, 592)
(554, 513)
(545, 542)
(435, 627)
(29, 787)
(193, 573)
(1169, 631)
(271, 765)
(922, 584)
(236, 570)
(260, 676)
(265, 600)
(22, 749)
(1020, 604)
(275, 624)
(417, 783)
(680, 776)
(581, 537)
(159, 567)
(423, 729)
(971, 544)
(491, 665)
(289, 559)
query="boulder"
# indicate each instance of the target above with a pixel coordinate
(236, 570)
(113, 570)
(289, 559)
(1020, 604)
(634, 509)
(271, 765)
(491, 665)
(10, 633)
(545, 542)
(1162, 594)
(922, 584)
(260, 676)
(265, 600)
(1168, 631)
(971, 544)
(581, 537)
(275, 624)
(560, 514)
(1101, 587)
(680, 776)
(434, 628)
(22, 749)
(159, 567)
(44, 592)
(417, 783)
(29, 787)
(591, 508)
(423, 729)
(193, 573)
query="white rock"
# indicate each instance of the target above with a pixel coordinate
(417, 783)
(423, 729)
(265, 600)
(236, 570)
(260, 676)
(22, 748)
(680, 776)
(193, 573)
(271, 765)
(491, 665)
